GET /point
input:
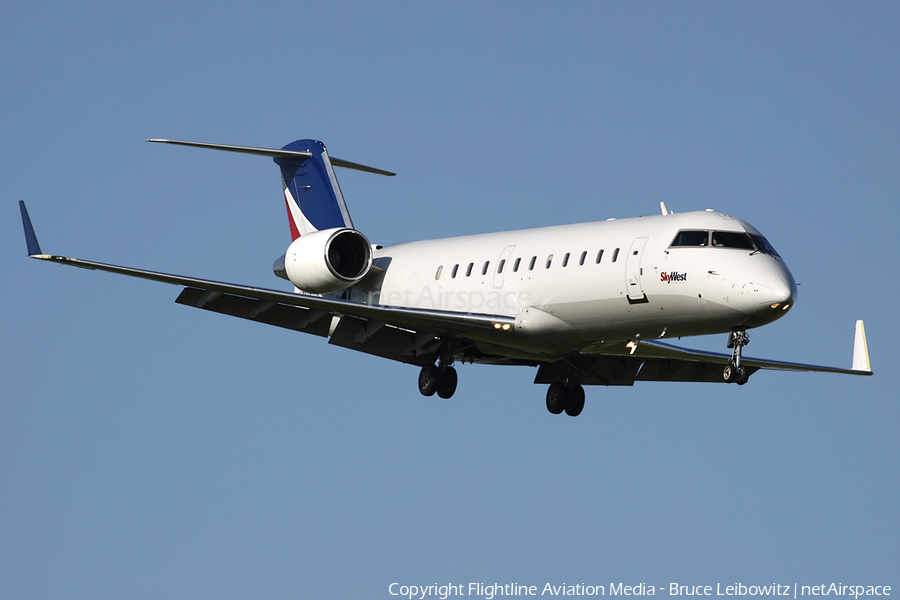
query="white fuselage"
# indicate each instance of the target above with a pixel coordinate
(564, 298)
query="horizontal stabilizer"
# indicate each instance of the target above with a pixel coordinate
(274, 153)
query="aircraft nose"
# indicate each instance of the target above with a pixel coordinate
(777, 289)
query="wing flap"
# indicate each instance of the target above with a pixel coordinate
(296, 318)
(387, 341)
(364, 335)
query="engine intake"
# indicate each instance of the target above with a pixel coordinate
(326, 261)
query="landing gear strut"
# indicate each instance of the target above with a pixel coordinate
(562, 397)
(734, 371)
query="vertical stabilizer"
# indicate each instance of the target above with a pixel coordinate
(311, 191)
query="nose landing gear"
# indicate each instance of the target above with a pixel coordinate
(562, 397)
(734, 371)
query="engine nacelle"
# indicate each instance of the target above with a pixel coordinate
(326, 261)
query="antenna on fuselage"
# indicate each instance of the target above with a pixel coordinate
(665, 212)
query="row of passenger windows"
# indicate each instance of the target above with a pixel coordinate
(723, 239)
(519, 264)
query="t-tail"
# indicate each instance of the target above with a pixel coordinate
(311, 192)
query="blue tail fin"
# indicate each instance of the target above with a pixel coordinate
(311, 191)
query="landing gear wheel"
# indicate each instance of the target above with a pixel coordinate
(576, 400)
(730, 373)
(429, 379)
(733, 374)
(556, 398)
(448, 382)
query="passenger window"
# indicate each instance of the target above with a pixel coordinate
(599, 256)
(566, 259)
(453, 272)
(469, 269)
(485, 267)
(533, 260)
(438, 274)
(516, 265)
(583, 256)
(500, 266)
(615, 254)
(691, 238)
(732, 239)
(549, 260)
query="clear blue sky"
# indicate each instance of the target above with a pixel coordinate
(149, 450)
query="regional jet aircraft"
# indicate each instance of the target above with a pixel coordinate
(587, 304)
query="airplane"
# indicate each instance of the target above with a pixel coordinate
(586, 304)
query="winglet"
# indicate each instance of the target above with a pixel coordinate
(860, 349)
(34, 249)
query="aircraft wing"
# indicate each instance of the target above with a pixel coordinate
(405, 334)
(623, 363)
(662, 350)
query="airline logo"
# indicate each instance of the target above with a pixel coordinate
(672, 276)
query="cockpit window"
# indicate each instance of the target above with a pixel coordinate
(691, 238)
(723, 239)
(732, 239)
(763, 245)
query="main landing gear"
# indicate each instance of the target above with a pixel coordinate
(563, 397)
(441, 379)
(734, 371)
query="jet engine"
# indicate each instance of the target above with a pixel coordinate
(326, 261)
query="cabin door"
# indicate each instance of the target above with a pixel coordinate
(502, 267)
(633, 272)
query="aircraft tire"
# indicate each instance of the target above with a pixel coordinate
(742, 376)
(429, 379)
(447, 386)
(576, 400)
(557, 398)
(729, 373)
